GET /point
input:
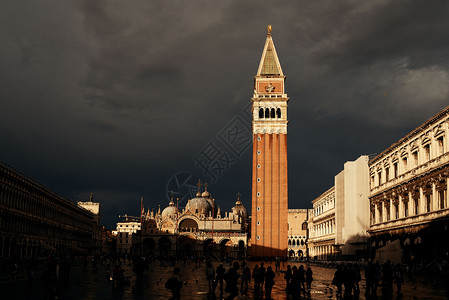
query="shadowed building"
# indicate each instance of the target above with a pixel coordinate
(408, 195)
(34, 220)
(269, 179)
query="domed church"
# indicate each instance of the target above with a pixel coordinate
(199, 229)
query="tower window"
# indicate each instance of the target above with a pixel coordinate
(258, 179)
(258, 208)
(258, 222)
(258, 166)
(261, 113)
(278, 113)
(272, 113)
(258, 237)
(258, 152)
(258, 138)
(267, 113)
(258, 194)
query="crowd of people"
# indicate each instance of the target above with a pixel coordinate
(226, 279)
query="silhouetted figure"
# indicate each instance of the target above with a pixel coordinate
(399, 278)
(220, 276)
(261, 273)
(288, 279)
(309, 279)
(246, 278)
(269, 282)
(210, 275)
(338, 280)
(174, 284)
(232, 278)
(256, 277)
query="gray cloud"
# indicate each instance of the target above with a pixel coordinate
(114, 98)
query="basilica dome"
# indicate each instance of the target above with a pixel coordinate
(199, 206)
(170, 211)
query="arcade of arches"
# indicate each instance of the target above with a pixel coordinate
(34, 220)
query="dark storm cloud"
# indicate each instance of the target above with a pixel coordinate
(116, 98)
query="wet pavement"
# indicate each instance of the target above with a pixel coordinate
(88, 283)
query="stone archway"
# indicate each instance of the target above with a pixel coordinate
(186, 246)
(241, 249)
(188, 225)
(225, 248)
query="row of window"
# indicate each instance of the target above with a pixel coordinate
(324, 228)
(269, 113)
(296, 242)
(415, 207)
(418, 156)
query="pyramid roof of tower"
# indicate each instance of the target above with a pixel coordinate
(269, 63)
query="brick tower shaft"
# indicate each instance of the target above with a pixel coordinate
(269, 182)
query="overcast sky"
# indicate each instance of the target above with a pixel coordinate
(120, 97)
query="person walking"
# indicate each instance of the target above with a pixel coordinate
(210, 275)
(174, 284)
(309, 279)
(269, 282)
(232, 278)
(219, 279)
(338, 280)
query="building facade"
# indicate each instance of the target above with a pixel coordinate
(340, 215)
(297, 233)
(322, 230)
(35, 221)
(269, 180)
(124, 235)
(408, 195)
(99, 233)
(199, 229)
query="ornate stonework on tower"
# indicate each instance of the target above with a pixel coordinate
(270, 187)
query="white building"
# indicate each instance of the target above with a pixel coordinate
(124, 233)
(340, 216)
(408, 195)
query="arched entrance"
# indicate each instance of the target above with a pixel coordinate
(241, 249)
(188, 225)
(300, 254)
(186, 246)
(164, 246)
(291, 253)
(225, 248)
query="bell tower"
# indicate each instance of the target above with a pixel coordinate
(269, 182)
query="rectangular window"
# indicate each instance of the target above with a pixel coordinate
(406, 209)
(380, 214)
(440, 142)
(396, 211)
(427, 152)
(428, 203)
(387, 174)
(404, 163)
(416, 206)
(395, 170)
(388, 213)
(442, 198)
(379, 178)
(415, 158)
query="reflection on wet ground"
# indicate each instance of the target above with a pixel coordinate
(87, 283)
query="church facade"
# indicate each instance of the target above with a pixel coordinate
(199, 229)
